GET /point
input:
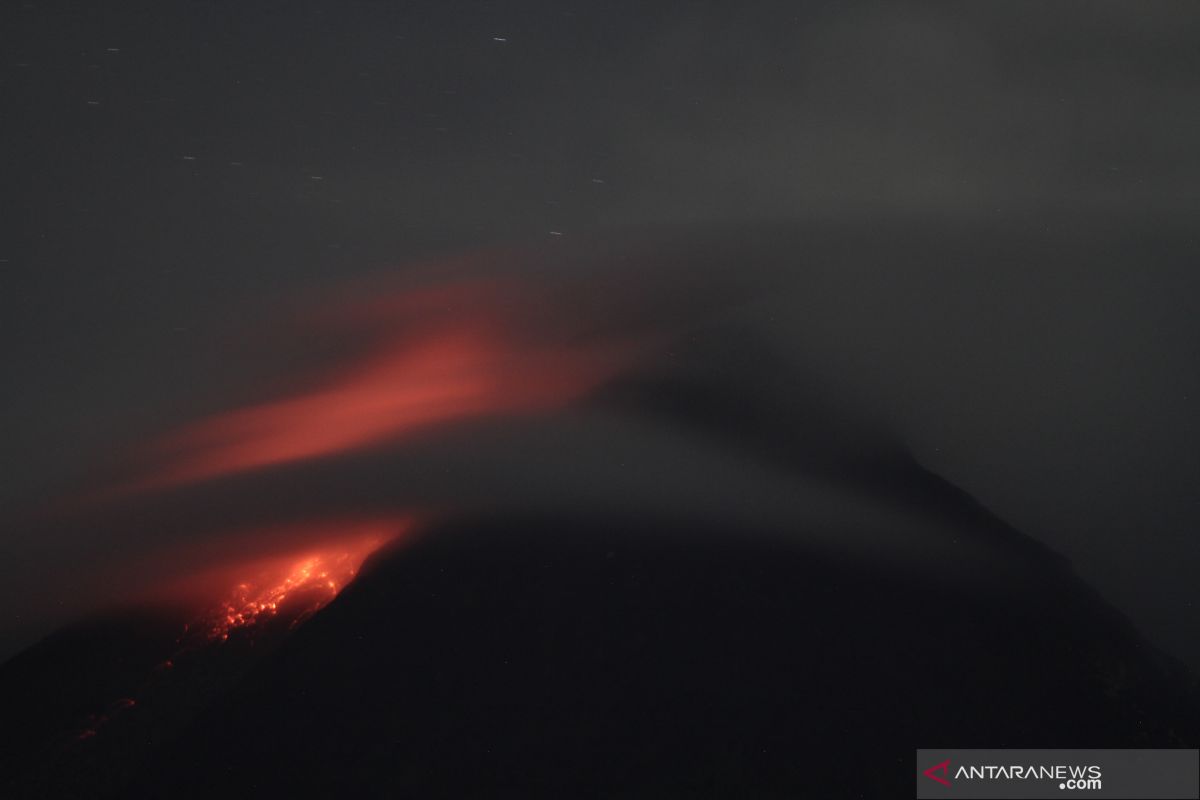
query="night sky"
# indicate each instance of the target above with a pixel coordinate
(973, 222)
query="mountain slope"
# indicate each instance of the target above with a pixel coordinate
(652, 658)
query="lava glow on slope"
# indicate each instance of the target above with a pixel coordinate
(277, 592)
(298, 585)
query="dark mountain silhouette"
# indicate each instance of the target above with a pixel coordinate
(87, 708)
(619, 658)
(630, 657)
(623, 653)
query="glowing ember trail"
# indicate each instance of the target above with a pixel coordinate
(281, 590)
(300, 586)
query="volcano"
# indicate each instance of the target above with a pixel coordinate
(626, 656)
(605, 400)
(719, 588)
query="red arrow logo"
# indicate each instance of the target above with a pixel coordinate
(943, 768)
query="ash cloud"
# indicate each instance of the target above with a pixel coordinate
(958, 237)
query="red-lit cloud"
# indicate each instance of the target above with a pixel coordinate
(435, 356)
(364, 368)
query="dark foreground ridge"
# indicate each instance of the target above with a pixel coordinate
(643, 658)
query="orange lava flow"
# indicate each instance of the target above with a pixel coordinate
(299, 586)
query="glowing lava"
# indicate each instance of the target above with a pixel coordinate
(285, 590)
(300, 585)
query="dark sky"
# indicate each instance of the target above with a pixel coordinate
(977, 219)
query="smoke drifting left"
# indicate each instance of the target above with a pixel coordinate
(451, 353)
(416, 361)
(540, 490)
